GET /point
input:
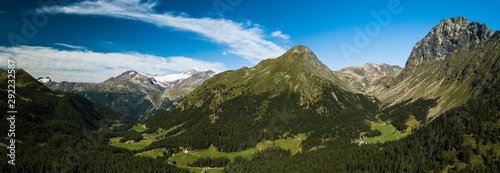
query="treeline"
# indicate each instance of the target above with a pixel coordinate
(373, 133)
(151, 130)
(124, 127)
(210, 162)
(131, 135)
(400, 113)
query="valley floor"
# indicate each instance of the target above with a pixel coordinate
(389, 133)
(181, 159)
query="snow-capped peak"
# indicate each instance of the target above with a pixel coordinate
(171, 77)
(175, 77)
(44, 79)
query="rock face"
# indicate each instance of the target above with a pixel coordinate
(195, 80)
(448, 35)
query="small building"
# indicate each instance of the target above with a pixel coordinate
(360, 141)
(186, 152)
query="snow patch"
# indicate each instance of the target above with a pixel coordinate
(171, 77)
(44, 79)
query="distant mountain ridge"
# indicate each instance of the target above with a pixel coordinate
(132, 81)
(363, 76)
(136, 94)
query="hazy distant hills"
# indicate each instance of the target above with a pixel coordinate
(134, 93)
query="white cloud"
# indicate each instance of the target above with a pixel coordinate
(244, 39)
(279, 34)
(88, 66)
(70, 46)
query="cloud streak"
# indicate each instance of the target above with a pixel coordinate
(279, 34)
(88, 66)
(70, 46)
(243, 39)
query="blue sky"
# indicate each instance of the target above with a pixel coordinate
(92, 40)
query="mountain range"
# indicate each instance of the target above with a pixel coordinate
(136, 94)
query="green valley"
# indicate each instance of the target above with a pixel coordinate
(389, 133)
(182, 159)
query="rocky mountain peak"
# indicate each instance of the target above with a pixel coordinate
(130, 72)
(210, 72)
(456, 20)
(299, 48)
(448, 35)
(301, 56)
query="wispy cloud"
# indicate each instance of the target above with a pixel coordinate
(2, 12)
(279, 34)
(244, 39)
(88, 66)
(70, 46)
